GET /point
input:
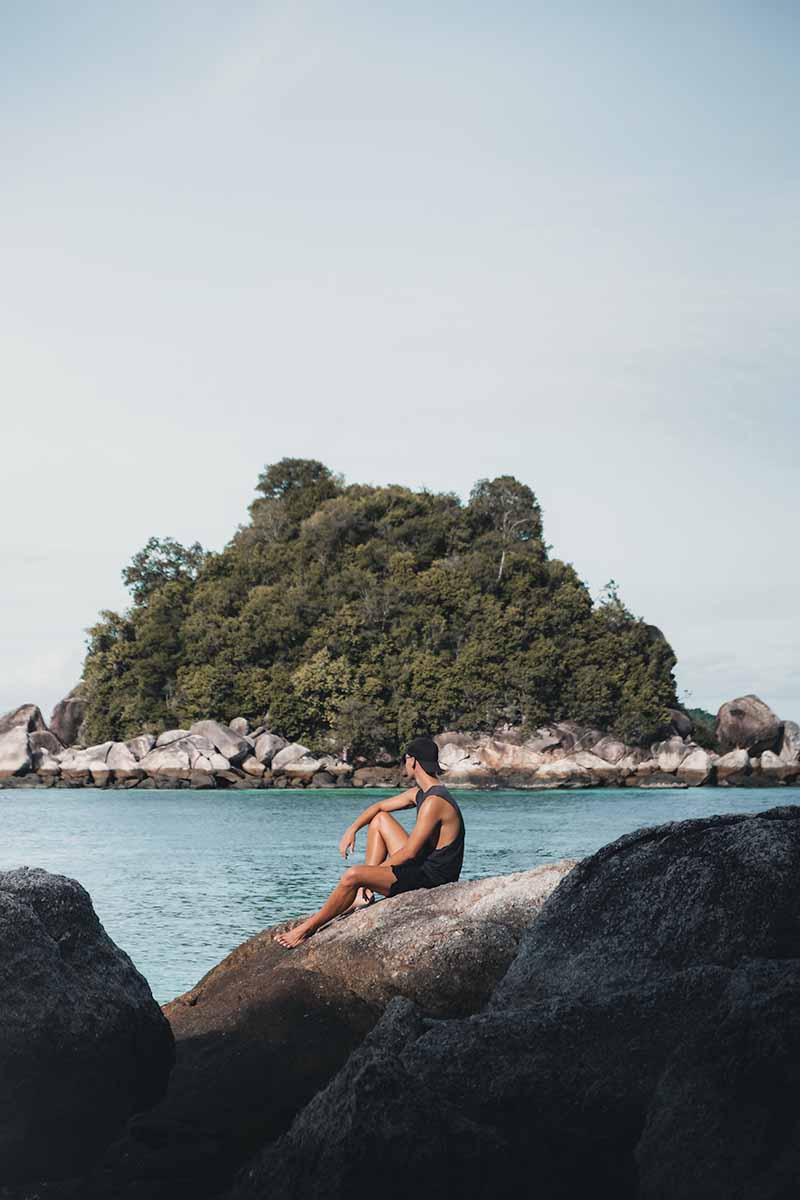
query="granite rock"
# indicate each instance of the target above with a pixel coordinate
(83, 1044)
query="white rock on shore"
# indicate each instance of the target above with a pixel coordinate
(561, 754)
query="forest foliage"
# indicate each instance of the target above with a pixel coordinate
(358, 616)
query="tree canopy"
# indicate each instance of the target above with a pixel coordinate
(358, 616)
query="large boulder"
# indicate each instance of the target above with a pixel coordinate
(44, 739)
(67, 717)
(120, 758)
(88, 766)
(294, 752)
(83, 1044)
(462, 765)
(697, 767)
(27, 717)
(231, 745)
(670, 753)
(611, 749)
(775, 770)
(643, 1044)
(680, 722)
(263, 1031)
(15, 752)
(173, 760)
(141, 745)
(732, 767)
(582, 768)
(748, 723)
(267, 745)
(790, 742)
(170, 736)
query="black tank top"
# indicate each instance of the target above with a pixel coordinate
(443, 865)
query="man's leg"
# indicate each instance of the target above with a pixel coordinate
(385, 836)
(377, 879)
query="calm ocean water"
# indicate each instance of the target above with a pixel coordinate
(180, 878)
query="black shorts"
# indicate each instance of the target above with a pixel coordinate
(409, 876)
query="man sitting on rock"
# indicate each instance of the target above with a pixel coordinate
(396, 861)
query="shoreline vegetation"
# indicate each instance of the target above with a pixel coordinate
(341, 621)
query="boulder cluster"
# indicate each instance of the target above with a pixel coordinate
(643, 1044)
(626, 1026)
(756, 749)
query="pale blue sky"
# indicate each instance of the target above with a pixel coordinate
(557, 241)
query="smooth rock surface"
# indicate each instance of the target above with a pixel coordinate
(141, 745)
(170, 736)
(732, 764)
(263, 1031)
(120, 758)
(15, 753)
(43, 739)
(267, 746)
(790, 742)
(26, 717)
(697, 767)
(83, 1044)
(670, 754)
(642, 1045)
(67, 717)
(291, 753)
(226, 742)
(748, 723)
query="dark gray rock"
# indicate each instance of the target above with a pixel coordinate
(748, 723)
(719, 1125)
(680, 723)
(644, 1043)
(379, 1103)
(268, 1027)
(44, 739)
(67, 717)
(322, 779)
(83, 1044)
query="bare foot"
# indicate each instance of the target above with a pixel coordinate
(293, 937)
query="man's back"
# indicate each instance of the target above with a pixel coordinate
(444, 854)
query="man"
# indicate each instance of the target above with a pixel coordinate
(395, 861)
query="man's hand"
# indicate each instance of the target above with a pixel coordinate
(348, 843)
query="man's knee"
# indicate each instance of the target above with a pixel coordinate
(381, 820)
(351, 877)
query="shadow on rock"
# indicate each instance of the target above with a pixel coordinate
(266, 1029)
(643, 1044)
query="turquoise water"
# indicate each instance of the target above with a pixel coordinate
(180, 878)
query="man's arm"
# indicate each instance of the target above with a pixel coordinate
(391, 804)
(428, 818)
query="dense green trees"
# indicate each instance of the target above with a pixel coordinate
(359, 616)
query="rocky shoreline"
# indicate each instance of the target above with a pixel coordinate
(756, 749)
(624, 1026)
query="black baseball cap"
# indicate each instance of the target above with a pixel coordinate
(426, 752)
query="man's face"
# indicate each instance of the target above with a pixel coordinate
(408, 766)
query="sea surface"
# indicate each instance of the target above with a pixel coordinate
(179, 878)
